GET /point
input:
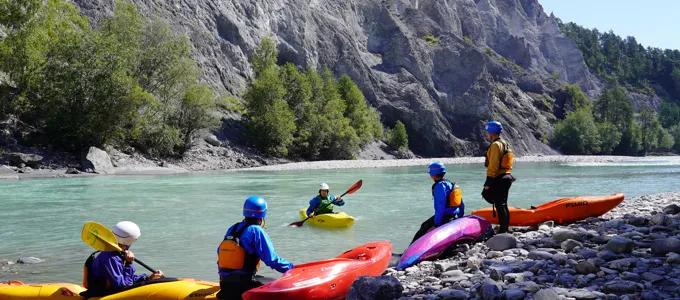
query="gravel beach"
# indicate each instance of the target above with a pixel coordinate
(357, 164)
(632, 252)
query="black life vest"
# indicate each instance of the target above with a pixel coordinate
(233, 256)
(96, 286)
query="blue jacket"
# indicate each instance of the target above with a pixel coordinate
(315, 202)
(110, 266)
(255, 240)
(441, 194)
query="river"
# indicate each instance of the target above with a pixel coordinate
(184, 217)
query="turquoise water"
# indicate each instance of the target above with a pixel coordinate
(183, 218)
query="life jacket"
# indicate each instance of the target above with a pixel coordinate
(455, 196)
(506, 158)
(325, 207)
(233, 256)
(92, 282)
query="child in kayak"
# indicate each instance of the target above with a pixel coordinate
(246, 244)
(112, 271)
(323, 203)
(448, 201)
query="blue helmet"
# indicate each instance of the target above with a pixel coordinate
(255, 207)
(494, 127)
(437, 168)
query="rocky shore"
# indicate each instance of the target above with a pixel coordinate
(632, 252)
(380, 163)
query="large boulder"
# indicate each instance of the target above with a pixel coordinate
(17, 159)
(97, 161)
(7, 173)
(502, 242)
(375, 288)
(665, 246)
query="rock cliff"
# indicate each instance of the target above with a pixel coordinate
(443, 67)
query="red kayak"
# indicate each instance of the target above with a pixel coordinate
(327, 279)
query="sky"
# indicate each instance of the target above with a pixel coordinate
(653, 23)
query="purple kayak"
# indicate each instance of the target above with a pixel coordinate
(434, 243)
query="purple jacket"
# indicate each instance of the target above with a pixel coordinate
(110, 266)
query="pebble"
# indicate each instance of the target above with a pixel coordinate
(632, 252)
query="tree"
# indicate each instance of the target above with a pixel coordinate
(650, 129)
(195, 113)
(33, 30)
(577, 133)
(126, 81)
(666, 140)
(675, 79)
(614, 107)
(270, 122)
(265, 56)
(669, 113)
(363, 118)
(398, 139)
(674, 131)
(610, 137)
(575, 98)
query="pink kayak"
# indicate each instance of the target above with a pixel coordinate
(434, 243)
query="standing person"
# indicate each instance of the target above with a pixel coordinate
(498, 165)
(448, 201)
(246, 244)
(323, 203)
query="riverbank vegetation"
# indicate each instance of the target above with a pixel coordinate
(610, 124)
(307, 114)
(128, 80)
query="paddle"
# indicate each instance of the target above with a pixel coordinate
(351, 190)
(101, 238)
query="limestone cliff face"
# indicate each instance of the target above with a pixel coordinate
(443, 67)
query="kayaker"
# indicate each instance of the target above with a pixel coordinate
(448, 200)
(498, 165)
(246, 244)
(323, 203)
(112, 271)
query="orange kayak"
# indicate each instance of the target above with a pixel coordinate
(565, 210)
(327, 279)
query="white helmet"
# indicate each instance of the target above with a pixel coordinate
(323, 186)
(126, 232)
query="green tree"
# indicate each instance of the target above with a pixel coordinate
(15, 14)
(341, 139)
(577, 133)
(651, 129)
(675, 79)
(85, 97)
(614, 106)
(33, 30)
(127, 80)
(270, 121)
(574, 97)
(398, 139)
(666, 140)
(669, 113)
(265, 56)
(364, 119)
(195, 113)
(610, 137)
(674, 131)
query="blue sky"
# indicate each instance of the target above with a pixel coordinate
(654, 23)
